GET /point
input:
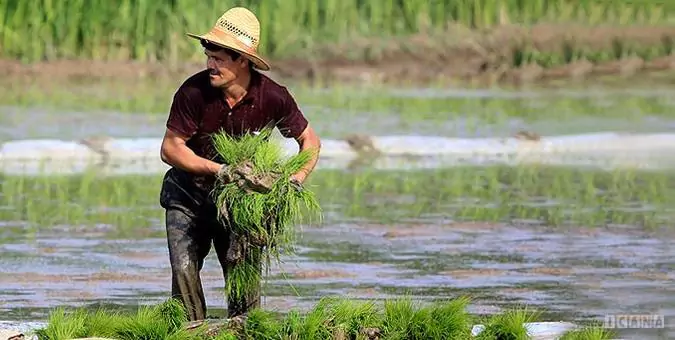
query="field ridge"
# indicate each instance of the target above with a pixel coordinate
(511, 53)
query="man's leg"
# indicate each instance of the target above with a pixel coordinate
(221, 243)
(188, 246)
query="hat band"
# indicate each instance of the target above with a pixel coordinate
(225, 36)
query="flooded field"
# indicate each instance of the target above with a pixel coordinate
(484, 232)
(576, 244)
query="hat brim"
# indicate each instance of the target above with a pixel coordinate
(227, 41)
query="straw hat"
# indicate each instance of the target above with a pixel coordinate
(237, 29)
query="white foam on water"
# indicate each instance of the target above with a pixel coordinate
(141, 155)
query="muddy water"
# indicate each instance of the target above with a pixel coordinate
(568, 275)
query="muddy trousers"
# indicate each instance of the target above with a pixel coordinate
(189, 241)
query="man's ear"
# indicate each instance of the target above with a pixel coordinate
(244, 62)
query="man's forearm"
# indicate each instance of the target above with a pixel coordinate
(314, 149)
(185, 159)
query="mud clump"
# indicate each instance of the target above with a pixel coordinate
(362, 144)
(243, 174)
(527, 135)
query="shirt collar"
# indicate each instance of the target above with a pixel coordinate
(253, 88)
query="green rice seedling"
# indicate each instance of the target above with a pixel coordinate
(349, 319)
(509, 325)
(330, 318)
(448, 320)
(399, 317)
(261, 324)
(159, 322)
(154, 322)
(63, 326)
(103, 323)
(590, 333)
(593, 332)
(266, 217)
(226, 335)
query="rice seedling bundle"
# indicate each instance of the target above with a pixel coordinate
(331, 318)
(259, 203)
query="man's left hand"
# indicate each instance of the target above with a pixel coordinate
(296, 183)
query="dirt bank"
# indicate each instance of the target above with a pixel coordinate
(505, 54)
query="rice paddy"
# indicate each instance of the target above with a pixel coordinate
(560, 238)
(331, 318)
(542, 195)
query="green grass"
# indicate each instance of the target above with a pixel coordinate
(154, 30)
(161, 322)
(555, 196)
(331, 318)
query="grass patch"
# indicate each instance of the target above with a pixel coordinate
(161, 322)
(267, 217)
(331, 318)
(556, 196)
(589, 333)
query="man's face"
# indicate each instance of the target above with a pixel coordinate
(223, 70)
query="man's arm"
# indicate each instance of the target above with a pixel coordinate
(176, 153)
(180, 125)
(308, 140)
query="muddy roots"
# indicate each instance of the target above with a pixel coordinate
(244, 175)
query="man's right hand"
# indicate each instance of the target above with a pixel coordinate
(223, 173)
(176, 153)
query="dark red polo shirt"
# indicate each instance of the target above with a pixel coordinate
(199, 110)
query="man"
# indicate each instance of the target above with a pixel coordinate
(230, 94)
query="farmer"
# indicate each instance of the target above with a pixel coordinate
(230, 94)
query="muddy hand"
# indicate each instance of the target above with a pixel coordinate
(295, 184)
(225, 174)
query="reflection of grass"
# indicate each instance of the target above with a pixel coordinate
(125, 202)
(331, 318)
(548, 195)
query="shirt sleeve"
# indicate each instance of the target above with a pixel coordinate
(291, 122)
(183, 114)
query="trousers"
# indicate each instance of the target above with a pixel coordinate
(192, 228)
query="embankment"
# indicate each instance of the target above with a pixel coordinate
(140, 156)
(504, 54)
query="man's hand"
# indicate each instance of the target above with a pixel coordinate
(175, 152)
(296, 183)
(223, 174)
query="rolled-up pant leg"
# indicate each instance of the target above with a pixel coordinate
(189, 244)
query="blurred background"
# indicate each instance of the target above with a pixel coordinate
(516, 151)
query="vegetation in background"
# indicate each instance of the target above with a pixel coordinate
(331, 318)
(154, 30)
